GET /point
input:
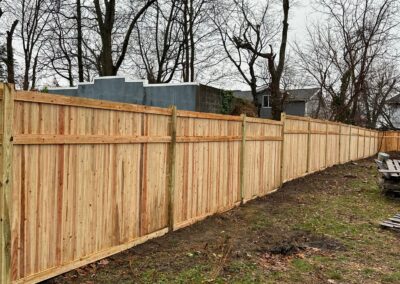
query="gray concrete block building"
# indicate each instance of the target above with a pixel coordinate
(186, 96)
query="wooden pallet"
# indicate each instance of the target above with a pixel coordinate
(392, 223)
(389, 168)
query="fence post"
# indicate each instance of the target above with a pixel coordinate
(7, 108)
(365, 140)
(350, 135)
(381, 141)
(309, 145)
(358, 141)
(171, 169)
(340, 143)
(326, 144)
(242, 158)
(283, 120)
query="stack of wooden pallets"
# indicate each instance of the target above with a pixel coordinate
(390, 170)
(392, 223)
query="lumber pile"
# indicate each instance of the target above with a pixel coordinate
(390, 170)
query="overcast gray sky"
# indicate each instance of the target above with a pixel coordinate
(301, 14)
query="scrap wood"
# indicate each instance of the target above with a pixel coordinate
(392, 223)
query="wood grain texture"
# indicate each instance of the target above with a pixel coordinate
(91, 178)
(6, 184)
(296, 147)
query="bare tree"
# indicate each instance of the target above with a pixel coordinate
(160, 43)
(2, 53)
(7, 51)
(33, 17)
(346, 53)
(10, 53)
(79, 37)
(114, 36)
(60, 49)
(197, 33)
(236, 20)
(253, 36)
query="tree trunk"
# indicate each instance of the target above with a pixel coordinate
(34, 69)
(276, 100)
(192, 47)
(10, 54)
(186, 66)
(25, 84)
(79, 40)
(107, 64)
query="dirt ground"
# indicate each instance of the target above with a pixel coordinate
(319, 229)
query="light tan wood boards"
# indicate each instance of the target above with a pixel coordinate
(6, 168)
(83, 179)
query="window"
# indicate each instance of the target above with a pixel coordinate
(266, 103)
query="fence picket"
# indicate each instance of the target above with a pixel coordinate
(139, 172)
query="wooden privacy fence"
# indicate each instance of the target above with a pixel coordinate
(390, 141)
(83, 179)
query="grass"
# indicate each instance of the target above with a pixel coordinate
(338, 211)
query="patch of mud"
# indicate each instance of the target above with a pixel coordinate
(295, 245)
(299, 241)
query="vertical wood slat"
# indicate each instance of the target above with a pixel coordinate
(172, 169)
(326, 144)
(358, 142)
(309, 145)
(340, 143)
(242, 158)
(203, 191)
(283, 120)
(7, 108)
(350, 136)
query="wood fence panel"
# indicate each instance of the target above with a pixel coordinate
(391, 141)
(318, 145)
(76, 200)
(6, 170)
(373, 143)
(378, 141)
(295, 150)
(333, 144)
(4, 271)
(354, 143)
(345, 144)
(91, 178)
(207, 179)
(361, 143)
(368, 144)
(262, 160)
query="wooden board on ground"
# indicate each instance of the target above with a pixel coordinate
(392, 223)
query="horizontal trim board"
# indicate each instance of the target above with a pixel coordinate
(264, 138)
(199, 115)
(35, 97)
(293, 117)
(263, 121)
(312, 132)
(296, 132)
(49, 139)
(47, 274)
(57, 139)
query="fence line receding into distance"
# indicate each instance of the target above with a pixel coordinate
(83, 179)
